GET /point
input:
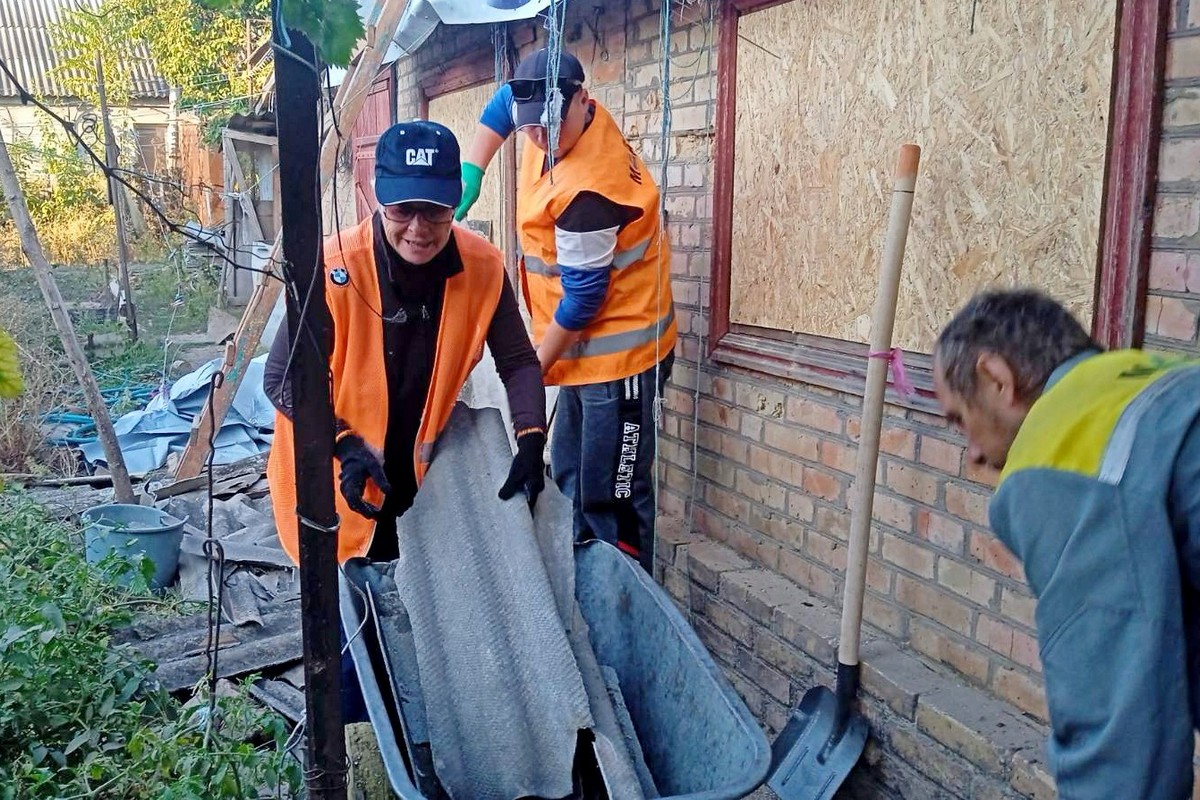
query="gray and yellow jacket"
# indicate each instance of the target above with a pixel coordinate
(1086, 502)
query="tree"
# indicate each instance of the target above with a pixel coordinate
(202, 51)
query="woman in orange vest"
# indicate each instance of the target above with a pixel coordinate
(595, 271)
(413, 299)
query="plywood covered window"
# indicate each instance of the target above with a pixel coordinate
(1010, 102)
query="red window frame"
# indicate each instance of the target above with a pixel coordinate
(1126, 215)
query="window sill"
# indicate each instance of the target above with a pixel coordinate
(827, 363)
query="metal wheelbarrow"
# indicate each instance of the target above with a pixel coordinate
(698, 739)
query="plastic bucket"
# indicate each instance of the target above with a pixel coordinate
(134, 532)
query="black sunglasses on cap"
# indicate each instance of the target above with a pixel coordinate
(527, 89)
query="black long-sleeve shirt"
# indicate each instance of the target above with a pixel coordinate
(411, 306)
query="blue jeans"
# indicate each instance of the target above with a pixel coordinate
(602, 457)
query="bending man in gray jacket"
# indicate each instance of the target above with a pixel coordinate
(1099, 496)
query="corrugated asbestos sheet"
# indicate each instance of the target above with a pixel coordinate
(31, 50)
(504, 696)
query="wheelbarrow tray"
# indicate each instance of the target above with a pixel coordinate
(699, 740)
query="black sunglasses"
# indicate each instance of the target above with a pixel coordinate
(526, 89)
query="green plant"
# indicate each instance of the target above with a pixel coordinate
(67, 199)
(78, 716)
(333, 26)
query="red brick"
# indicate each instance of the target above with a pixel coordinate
(767, 491)
(994, 635)
(1179, 160)
(966, 504)
(892, 511)
(752, 427)
(940, 530)
(982, 474)
(1183, 57)
(735, 448)
(933, 603)
(839, 457)
(912, 482)
(1025, 651)
(942, 456)
(963, 580)
(1175, 216)
(722, 389)
(885, 616)
(801, 506)
(728, 503)
(806, 575)
(775, 466)
(759, 401)
(879, 577)
(944, 648)
(991, 553)
(1022, 691)
(909, 556)
(1018, 606)
(833, 521)
(822, 484)
(893, 441)
(1168, 271)
(814, 415)
(1177, 318)
(824, 550)
(790, 440)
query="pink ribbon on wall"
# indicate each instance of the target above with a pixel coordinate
(895, 359)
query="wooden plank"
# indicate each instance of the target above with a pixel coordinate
(249, 212)
(266, 294)
(246, 136)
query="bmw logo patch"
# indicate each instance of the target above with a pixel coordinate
(339, 276)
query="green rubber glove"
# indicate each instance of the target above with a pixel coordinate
(472, 180)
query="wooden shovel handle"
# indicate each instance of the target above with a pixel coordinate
(882, 322)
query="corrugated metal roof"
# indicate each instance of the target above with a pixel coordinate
(28, 47)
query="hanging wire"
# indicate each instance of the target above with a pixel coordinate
(555, 23)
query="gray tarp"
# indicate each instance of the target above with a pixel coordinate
(148, 435)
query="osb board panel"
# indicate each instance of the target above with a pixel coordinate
(1012, 120)
(459, 111)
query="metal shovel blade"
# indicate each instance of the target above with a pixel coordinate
(808, 762)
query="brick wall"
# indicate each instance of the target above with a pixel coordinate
(1173, 304)
(953, 686)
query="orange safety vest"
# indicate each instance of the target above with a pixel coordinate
(635, 326)
(359, 377)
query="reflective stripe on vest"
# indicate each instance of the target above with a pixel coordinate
(620, 342)
(621, 259)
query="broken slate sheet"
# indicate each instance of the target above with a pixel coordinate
(504, 695)
(148, 435)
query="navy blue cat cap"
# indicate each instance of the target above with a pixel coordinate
(418, 162)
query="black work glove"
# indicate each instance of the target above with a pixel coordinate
(359, 464)
(528, 469)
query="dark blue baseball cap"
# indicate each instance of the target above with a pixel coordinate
(528, 86)
(418, 161)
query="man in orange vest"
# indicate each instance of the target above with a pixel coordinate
(413, 299)
(595, 272)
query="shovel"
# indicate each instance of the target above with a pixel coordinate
(824, 737)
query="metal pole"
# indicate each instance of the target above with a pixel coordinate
(310, 329)
(116, 195)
